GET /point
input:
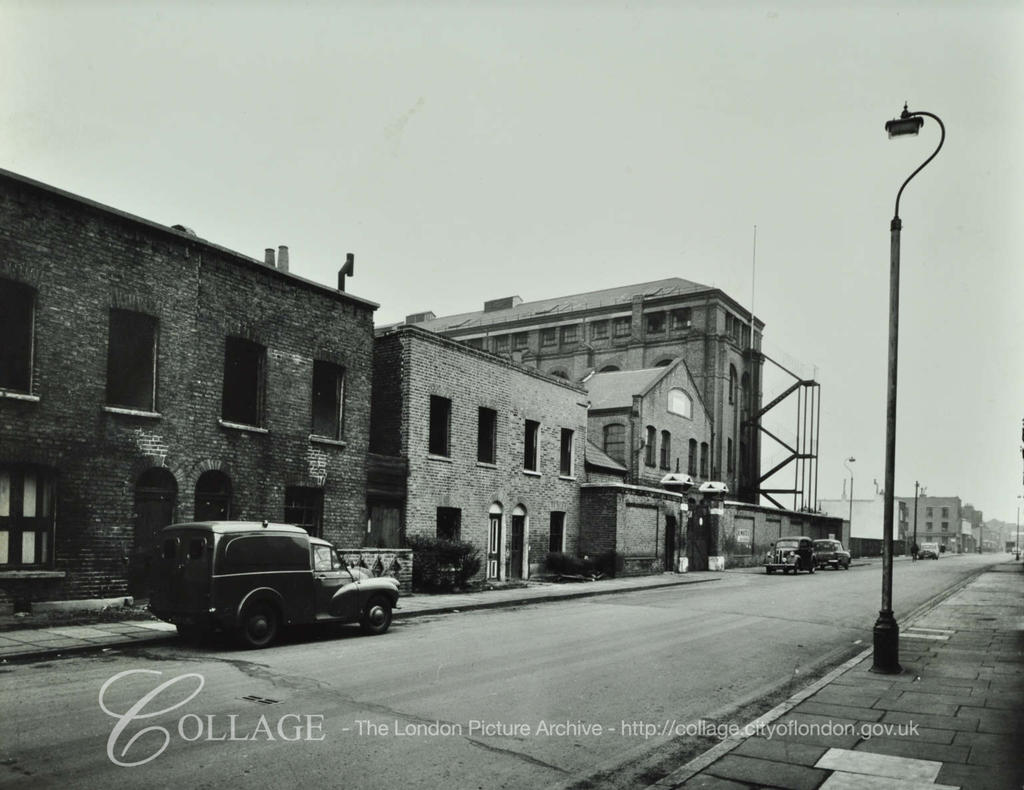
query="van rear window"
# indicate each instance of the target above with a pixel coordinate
(252, 554)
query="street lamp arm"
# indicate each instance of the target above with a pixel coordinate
(905, 114)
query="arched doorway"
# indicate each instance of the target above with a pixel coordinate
(494, 540)
(213, 496)
(156, 495)
(517, 544)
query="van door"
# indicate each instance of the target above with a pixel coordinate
(329, 576)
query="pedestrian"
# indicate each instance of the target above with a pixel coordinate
(913, 551)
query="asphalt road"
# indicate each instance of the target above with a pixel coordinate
(594, 692)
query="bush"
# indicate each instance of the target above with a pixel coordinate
(605, 564)
(440, 564)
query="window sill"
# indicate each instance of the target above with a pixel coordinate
(33, 574)
(570, 478)
(486, 465)
(327, 440)
(532, 473)
(19, 396)
(237, 426)
(152, 415)
(442, 458)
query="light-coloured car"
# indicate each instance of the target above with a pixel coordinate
(928, 551)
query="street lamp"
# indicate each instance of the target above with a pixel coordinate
(913, 547)
(847, 463)
(886, 631)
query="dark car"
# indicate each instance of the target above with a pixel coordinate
(790, 555)
(829, 553)
(251, 578)
(928, 551)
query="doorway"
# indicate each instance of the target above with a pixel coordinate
(156, 495)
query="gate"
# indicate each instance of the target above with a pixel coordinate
(699, 533)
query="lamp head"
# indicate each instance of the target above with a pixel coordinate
(904, 125)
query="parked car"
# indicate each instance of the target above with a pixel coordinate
(251, 578)
(830, 553)
(928, 551)
(790, 555)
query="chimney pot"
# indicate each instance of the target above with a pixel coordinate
(282, 258)
(268, 257)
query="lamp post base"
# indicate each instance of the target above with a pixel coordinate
(887, 644)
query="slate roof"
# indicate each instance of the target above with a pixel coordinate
(615, 390)
(552, 308)
(595, 456)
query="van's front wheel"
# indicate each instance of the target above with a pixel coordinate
(376, 617)
(259, 626)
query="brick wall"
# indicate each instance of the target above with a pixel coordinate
(82, 260)
(766, 525)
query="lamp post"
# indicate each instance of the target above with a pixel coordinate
(886, 630)
(847, 463)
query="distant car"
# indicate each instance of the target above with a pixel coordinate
(790, 555)
(928, 551)
(251, 578)
(830, 553)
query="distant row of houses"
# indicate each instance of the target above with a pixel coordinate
(149, 376)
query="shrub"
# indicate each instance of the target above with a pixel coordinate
(605, 564)
(440, 564)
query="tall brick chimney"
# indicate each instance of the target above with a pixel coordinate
(282, 258)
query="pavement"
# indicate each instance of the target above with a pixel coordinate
(954, 717)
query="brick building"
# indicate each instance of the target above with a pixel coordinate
(470, 446)
(149, 376)
(939, 520)
(636, 327)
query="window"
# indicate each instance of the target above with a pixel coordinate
(213, 497)
(559, 373)
(615, 442)
(945, 526)
(17, 317)
(565, 458)
(26, 516)
(691, 464)
(570, 335)
(548, 337)
(945, 512)
(704, 459)
(928, 511)
(501, 344)
(681, 318)
(520, 340)
(650, 445)
(243, 381)
(599, 330)
(732, 383)
(730, 459)
(304, 507)
(928, 525)
(530, 445)
(609, 369)
(449, 523)
(621, 327)
(439, 442)
(475, 342)
(259, 553)
(655, 323)
(328, 399)
(666, 450)
(556, 537)
(680, 403)
(486, 435)
(131, 360)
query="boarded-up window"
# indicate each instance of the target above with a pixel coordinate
(17, 311)
(131, 360)
(440, 426)
(243, 381)
(639, 538)
(384, 530)
(328, 398)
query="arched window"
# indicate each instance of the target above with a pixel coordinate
(213, 496)
(560, 374)
(666, 450)
(680, 403)
(732, 383)
(615, 442)
(663, 363)
(651, 441)
(691, 464)
(608, 369)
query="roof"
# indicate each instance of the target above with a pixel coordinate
(615, 390)
(623, 294)
(188, 236)
(224, 527)
(595, 456)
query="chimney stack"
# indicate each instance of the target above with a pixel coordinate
(268, 257)
(347, 269)
(282, 258)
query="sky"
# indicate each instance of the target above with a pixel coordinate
(465, 152)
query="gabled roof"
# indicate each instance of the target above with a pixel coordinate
(615, 390)
(595, 456)
(552, 308)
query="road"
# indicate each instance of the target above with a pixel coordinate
(585, 693)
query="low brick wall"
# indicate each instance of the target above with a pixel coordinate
(746, 531)
(396, 563)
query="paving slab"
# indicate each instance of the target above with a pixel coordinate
(842, 780)
(900, 747)
(767, 773)
(781, 751)
(880, 765)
